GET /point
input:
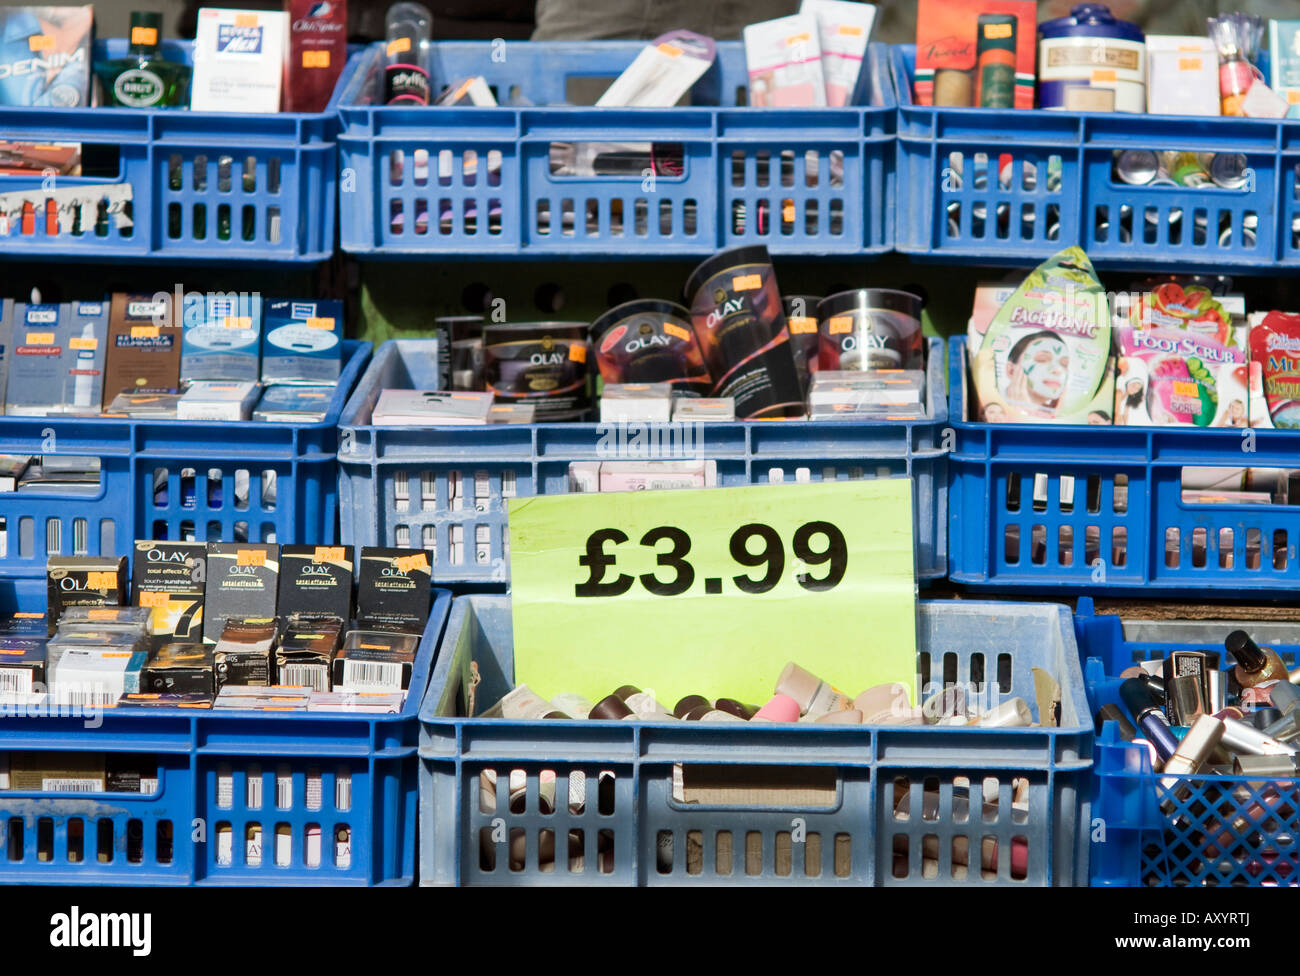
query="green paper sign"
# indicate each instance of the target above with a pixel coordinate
(713, 591)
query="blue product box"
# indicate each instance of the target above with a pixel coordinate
(294, 404)
(83, 357)
(221, 337)
(302, 342)
(36, 371)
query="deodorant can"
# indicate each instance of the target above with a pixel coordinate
(1091, 62)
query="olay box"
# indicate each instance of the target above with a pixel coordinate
(243, 654)
(302, 342)
(318, 49)
(315, 582)
(180, 669)
(373, 660)
(168, 578)
(243, 578)
(393, 589)
(306, 654)
(144, 349)
(22, 664)
(83, 581)
(976, 53)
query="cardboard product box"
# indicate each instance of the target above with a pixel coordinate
(22, 664)
(393, 589)
(293, 404)
(318, 50)
(180, 669)
(45, 60)
(657, 475)
(306, 654)
(243, 656)
(36, 372)
(26, 624)
(431, 408)
(784, 57)
(57, 772)
(98, 676)
(377, 702)
(169, 579)
(165, 700)
(144, 347)
(83, 581)
(224, 400)
(221, 339)
(704, 410)
(302, 342)
(374, 660)
(238, 60)
(273, 698)
(636, 402)
(315, 583)
(82, 364)
(243, 578)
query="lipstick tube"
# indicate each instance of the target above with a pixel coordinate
(1193, 751)
(1242, 738)
(1148, 717)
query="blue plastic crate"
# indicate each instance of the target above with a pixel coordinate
(475, 181)
(444, 489)
(989, 186)
(891, 805)
(1078, 508)
(270, 179)
(1214, 830)
(166, 479)
(352, 776)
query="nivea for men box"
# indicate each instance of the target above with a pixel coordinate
(222, 338)
(302, 342)
(83, 357)
(242, 582)
(315, 583)
(144, 347)
(40, 336)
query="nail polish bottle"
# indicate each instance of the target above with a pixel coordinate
(1255, 664)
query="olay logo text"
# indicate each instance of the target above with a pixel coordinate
(311, 569)
(647, 342)
(729, 307)
(546, 359)
(162, 556)
(243, 571)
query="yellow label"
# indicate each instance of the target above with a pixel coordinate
(40, 338)
(849, 30)
(1190, 64)
(841, 324)
(578, 352)
(245, 20)
(406, 564)
(398, 45)
(316, 59)
(802, 325)
(117, 654)
(101, 580)
(144, 332)
(1104, 74)
(12, 653)
(238, 322)
(374, 647)
(1293, 96)
(250, 557)
(1193, 48)
(144, 35)
(671, 50)
(28, 616)
(794, 39)
(787, 212)
(148, 598)
(746, 282)
(312, 396)
(1187, 388)
(83, 342)
(676, 331)
(40, 42)
(329, 554)
(320, 323)
(102, 614)
(996, 32)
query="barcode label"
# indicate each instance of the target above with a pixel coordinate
(82, 698)
(71, 785)
(225, 789)
(16, 681)
(283, 788)
(148, 785)
(343, 789)
(372, 674)
(254, 788)
(313, 676)
(313, 789)
(482, 488)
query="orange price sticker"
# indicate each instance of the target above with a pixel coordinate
(849, 30)
(746, 282)
(144, 332)
(40, 42)
(374, 647)
(671, 50)
(406, 564)
(144, 35)
(245, 20)
(30, 615)
(1190, 64)
(677, 332)
(997, 32)
(329, 554)
(841, 324)
(1105, 74)
(794, 39)
(83, 342)
(148, 598)
(578, 352)
(320, 323)
(40, 338)
(102, 613)
(803, 325)
(1187, 388)
(101, 580)
(238, 322)
(315, 59)
(399, 45)
(250, 557)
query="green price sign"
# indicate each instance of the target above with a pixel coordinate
(711, 592)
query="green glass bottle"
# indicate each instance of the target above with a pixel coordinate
(144, 79)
